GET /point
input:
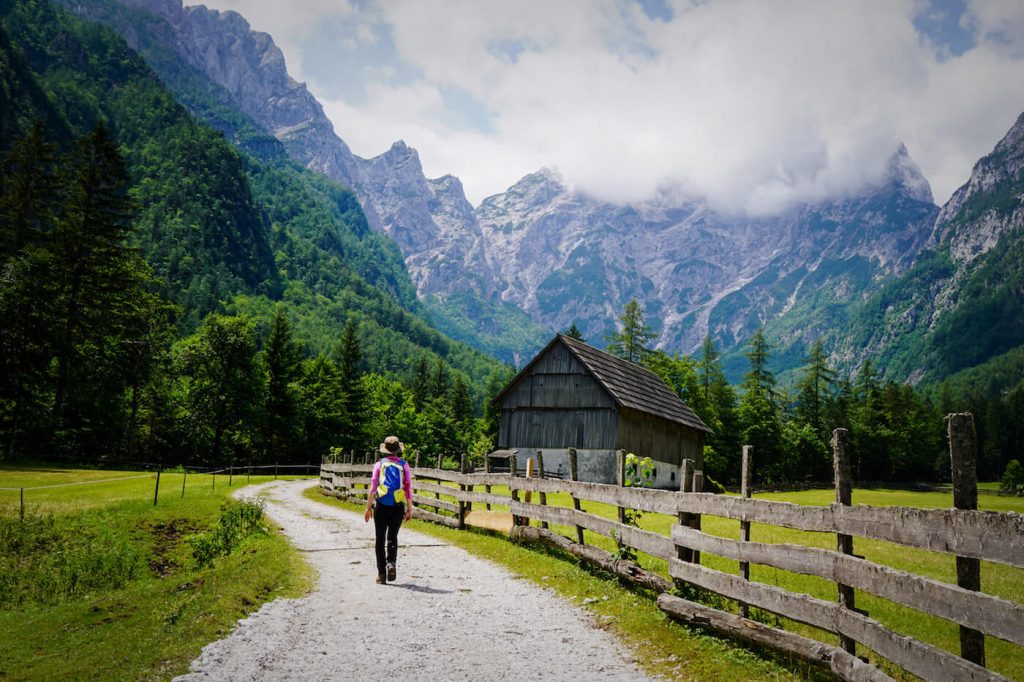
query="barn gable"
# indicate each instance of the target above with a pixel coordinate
(574, 395)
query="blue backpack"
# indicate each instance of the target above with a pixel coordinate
(389, 483)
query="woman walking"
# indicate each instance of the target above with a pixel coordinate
(391, 490)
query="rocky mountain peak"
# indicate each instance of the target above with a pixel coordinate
(988, 205)
(904, 172)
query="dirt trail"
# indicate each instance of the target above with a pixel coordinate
(449, 616)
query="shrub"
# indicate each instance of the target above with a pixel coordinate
(1013, 478)
(237, 522)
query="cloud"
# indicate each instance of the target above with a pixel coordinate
(754, 105)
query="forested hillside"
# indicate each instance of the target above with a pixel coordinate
(162, 289)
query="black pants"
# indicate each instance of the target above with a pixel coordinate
(386, 521)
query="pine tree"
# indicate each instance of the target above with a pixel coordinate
(758, 412)
(349, 361)
(573, 332)
(421, 383)
(96, 274)
(458, 398)
(29, 196)
(814, 392)
(632, 339)
(282, 360)
(439, 380)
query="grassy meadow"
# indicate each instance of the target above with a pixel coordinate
(997, 579)
(98, 583)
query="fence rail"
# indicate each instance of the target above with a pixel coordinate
(965, 533)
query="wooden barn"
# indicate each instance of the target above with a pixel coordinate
(574, 395)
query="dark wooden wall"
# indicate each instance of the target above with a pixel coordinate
(648, 436)
(558, 404)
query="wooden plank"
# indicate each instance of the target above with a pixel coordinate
(844, 666)
(641, 540)
(992, 615)
(488, 498)
(424, 515)
(540, 474)
(645, 499)
(623, 568)
(437, 504)
(993, 536)
(435, 488)
(919, 658)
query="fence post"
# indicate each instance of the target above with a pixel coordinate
(183, 477)
(844, 496)
(963, 450)
(620, 480)
(745, 477)
(231, 473)
(22, 504)
(685, 486)
(540, 475)
(417, 464)
(156, 492)
(463, 506)
(276, 464)
(487, 472)
(574, 475)
(698, 487)
(248, 473)
(513, 468)
(213, 481)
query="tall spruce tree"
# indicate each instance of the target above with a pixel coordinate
(96, 276)
(573, 332)
(758, 412)
(349, 361)
(29, 197)
(282, 361)
(815, 392)
(631, 341)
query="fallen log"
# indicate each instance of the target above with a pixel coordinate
(843, 665)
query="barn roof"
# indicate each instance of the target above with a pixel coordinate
(630, 385)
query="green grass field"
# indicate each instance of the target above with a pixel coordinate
(98, 583)
(997, 579)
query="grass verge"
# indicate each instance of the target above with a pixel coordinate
(102, 584)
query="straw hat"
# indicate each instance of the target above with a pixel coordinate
(392, 446)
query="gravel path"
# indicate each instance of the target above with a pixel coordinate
(449, 616)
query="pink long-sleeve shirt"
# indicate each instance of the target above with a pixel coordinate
(406, 476)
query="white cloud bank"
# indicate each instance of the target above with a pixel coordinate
(755, 105)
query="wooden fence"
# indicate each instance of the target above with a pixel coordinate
(448, 497)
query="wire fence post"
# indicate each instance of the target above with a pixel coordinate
(275, 470)
(184, 475)
(213, 481)
(231, 473)
(156, 492)
(23, 504)
(248, 473)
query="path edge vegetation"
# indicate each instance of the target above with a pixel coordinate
(659, 645)
(155, 624)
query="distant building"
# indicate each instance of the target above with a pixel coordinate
(574, 395)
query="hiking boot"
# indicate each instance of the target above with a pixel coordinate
(381, 580)
(392, 573)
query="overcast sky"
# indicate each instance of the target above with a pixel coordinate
(754, 104)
